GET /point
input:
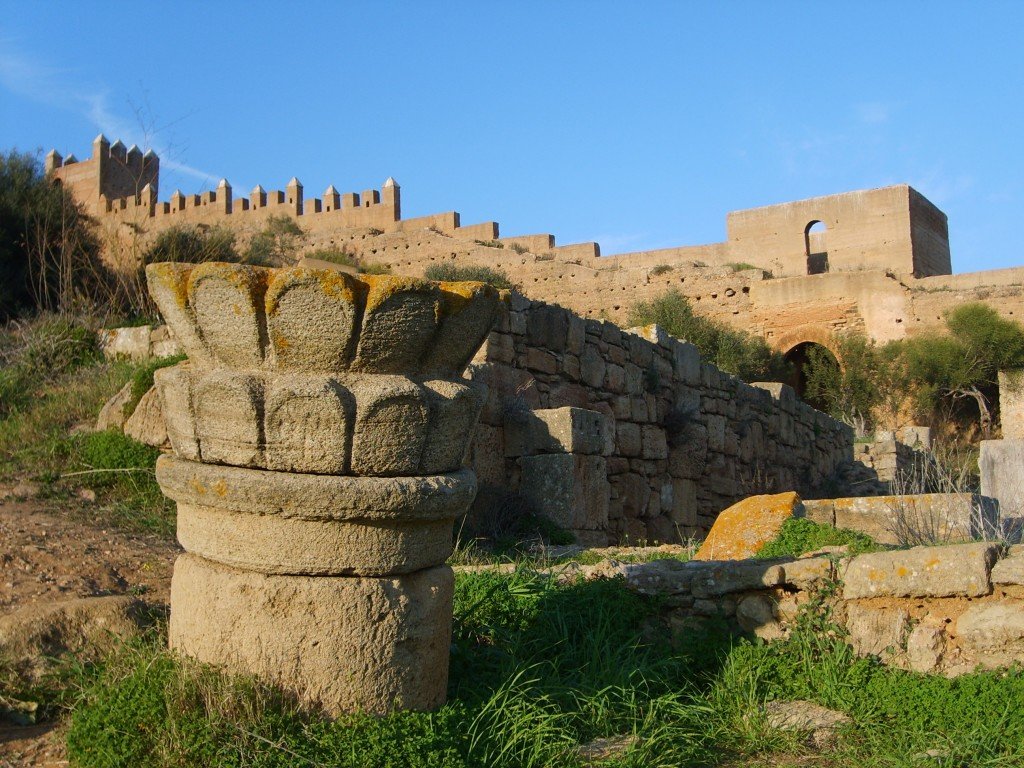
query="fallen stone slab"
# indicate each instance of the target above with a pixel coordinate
(820, 724)
(743, 529)
(713, 579)
(959, 570)
(1009, 570)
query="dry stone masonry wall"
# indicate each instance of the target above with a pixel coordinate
(946, 609)
(319, 429)
(627, 435)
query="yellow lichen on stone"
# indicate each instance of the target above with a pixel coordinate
(743, 529)
(383, 287)
(455, 297)
(175, 278)
(333, 285)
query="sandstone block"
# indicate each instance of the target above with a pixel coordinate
(125, 343)
(592, 367)
(228, 409)
(808, 573)
(570, 490)
(653, 443)
(454, 408)
(1009, 570)
(628, 439)
(343, 644)
(922, 572)
(227, 300)
(743, 529)
(147, 423)
(114, 412)
(995, 626)
(713, 579)
(560, 430)
(876, 631)
(756, 614)
(174, 385)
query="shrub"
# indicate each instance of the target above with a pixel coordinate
(799, 535)
(38, 352)
(853, 391)
(111, 449)
(192, 245)
(276, 244)
(451, 273)
(49, 255)
(736, 352)
(739, 266)
(335, 256)
(661, 269)
(490, 243)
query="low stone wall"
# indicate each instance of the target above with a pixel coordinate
(945, 609)
(138, 343)
(675, 440)
(908, 519)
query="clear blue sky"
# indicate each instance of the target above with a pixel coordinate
(635, 124)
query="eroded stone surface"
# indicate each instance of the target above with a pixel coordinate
(922, 572)
(344, 644)
(743, 529)
(308, 423)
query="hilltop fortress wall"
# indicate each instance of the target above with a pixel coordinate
(875, 261)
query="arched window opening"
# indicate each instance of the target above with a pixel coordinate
(815, 248)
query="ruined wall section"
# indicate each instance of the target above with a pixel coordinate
(689, 440)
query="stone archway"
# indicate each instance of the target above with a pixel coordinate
(797, 349)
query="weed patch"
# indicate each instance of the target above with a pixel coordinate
(799, 535)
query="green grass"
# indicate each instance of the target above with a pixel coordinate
(452, 273)
(65, 383)
(799, 535)
(539, 669)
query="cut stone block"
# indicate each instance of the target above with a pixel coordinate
(876, 631)
(312, 318)
(147, 424)
(960, 570)
(454, 410)
(468, 312)
(174, 386)
(713, 579)
(344, 644)
(560, 430)
(571, 491)
(1002, 475)
(168, 285)
(228, 415)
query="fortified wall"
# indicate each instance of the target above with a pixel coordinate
(875, 261)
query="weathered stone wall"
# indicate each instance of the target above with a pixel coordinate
(685, 439)
(929, 609)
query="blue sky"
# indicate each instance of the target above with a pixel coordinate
(638, 125)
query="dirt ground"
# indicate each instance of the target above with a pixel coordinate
(50, 554)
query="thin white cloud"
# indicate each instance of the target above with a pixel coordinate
(873, 112)
(51, 86)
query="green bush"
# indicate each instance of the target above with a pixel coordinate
(49, 255)
(142, 377)
(276, 244)
(737, 352)
(335, 256)
(452, 273)
(192, 245)
(799, 535)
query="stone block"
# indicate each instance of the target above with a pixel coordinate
(742, 530)
(175, 389)
(454, 409)
(1011, 404)
(756, 614)
(1009, 570)
(994, 627)
(951, 571)
(808, 573)
(468, 313)
(592, 367)
(541, 361)
(1002, 475)
(342, 644)
(487, 454)
(570, 490)
(228, 408)
(876, 631)
(125, 343)
(716, 578)
(548, 327)
(390, 427)
(653, 442)
(147, 423)
(168, 285)
(227, 300)
(115, 412)
(308, 420)
(628, 440)
(925, 647)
